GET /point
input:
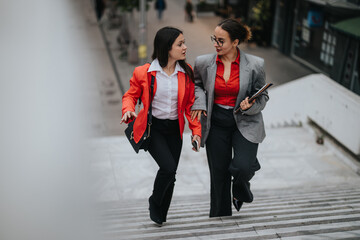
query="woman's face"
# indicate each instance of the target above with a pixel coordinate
(223, 38)
(178, 49)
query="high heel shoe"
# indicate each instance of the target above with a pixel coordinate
(237, 204)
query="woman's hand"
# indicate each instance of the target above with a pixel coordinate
(198, 139)
(245, 104)
(128, 115)
(197, 114)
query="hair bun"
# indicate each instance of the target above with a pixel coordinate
(247, 32)
(236, 30)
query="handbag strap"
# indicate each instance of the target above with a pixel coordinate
(151, 98)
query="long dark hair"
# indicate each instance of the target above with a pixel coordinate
(163, 42)
(236, 30)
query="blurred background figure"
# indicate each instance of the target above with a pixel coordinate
(160, 6)
(99, 8)
(189, 11)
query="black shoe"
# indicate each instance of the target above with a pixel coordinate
(154, 213)
(237, 204)
(156, 221)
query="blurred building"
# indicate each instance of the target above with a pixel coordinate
(322, 34)
(258, 14)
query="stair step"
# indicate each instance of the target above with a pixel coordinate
(286, 214)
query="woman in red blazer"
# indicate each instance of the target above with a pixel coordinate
(173, 97)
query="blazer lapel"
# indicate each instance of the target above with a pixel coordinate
(181, 88)
(211, 75)
(244, 78)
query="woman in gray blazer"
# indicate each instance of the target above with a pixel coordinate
(224, 82)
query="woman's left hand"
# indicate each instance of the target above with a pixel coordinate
(198, 139)
(245, 104)
(197, 114)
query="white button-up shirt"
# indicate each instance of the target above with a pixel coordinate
(165, 102)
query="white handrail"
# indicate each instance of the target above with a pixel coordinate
(319, 98)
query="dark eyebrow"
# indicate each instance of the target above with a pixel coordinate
(218, 38)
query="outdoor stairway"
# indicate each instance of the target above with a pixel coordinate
(312, 213)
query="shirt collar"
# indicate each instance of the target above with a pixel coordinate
(237, 60)
(155, 66)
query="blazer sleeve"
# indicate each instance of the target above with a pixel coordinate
(257, 83)
(194, 125)
(131, 97)
(200, 94)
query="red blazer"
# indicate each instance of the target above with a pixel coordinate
(140, 88)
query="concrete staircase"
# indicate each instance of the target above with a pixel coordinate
(314, 213)
(303, 191)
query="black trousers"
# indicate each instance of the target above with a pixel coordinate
(165, 148)
(225, 139)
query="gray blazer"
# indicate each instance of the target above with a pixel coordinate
(252, 78)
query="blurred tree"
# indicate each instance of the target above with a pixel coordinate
(262, 11)
(261, 23)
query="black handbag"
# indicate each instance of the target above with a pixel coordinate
(144, 141)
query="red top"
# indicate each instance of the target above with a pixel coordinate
(227, 92)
